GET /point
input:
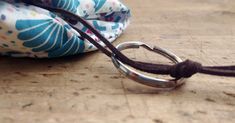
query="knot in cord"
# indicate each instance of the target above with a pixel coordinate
(185, 69)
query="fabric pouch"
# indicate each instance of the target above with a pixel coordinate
(30, 31)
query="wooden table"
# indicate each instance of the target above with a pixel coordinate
(88, 89)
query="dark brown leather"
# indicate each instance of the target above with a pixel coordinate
(185, 69)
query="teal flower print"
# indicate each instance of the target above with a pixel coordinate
(99, 4)
(73, 46)
(46, 35)
(69, 5)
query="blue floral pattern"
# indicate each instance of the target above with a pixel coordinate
(48, 36)
(69, 5)
(99, 4)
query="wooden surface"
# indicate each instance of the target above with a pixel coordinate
(88, 89)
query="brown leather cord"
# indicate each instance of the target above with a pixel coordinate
(185, 69)
(138, 65)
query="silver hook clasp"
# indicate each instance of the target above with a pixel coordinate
(161, 84)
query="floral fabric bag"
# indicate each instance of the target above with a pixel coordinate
(30, 31)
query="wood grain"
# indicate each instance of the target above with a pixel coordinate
(88, 89)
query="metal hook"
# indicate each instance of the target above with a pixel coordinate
(161, 84)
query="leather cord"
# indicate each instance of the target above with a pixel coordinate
(184, 69)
